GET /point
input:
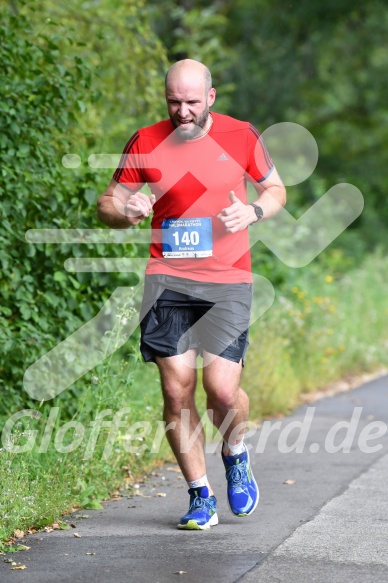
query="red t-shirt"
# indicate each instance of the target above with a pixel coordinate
(192, 179)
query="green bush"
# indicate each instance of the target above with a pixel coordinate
(39, 97)
(45, 90)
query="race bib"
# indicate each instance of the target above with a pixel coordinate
(187, 238)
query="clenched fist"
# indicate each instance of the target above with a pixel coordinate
(138, 207)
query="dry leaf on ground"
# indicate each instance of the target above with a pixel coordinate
(289, 482)
(18, 568)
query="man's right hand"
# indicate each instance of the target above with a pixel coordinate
(119, 207)
(138, 207)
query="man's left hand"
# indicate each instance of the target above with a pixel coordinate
(237, 216)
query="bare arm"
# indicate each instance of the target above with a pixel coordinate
(272, 197)
(119, 207)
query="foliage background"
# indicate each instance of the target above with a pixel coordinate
(80, 77)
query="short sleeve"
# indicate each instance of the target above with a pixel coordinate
(259, 165)
(129, 171)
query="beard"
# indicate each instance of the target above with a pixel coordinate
(193, 129)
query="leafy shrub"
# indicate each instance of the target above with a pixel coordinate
(41, 304)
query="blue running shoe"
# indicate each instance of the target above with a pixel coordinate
(243, 493)
(202, 513)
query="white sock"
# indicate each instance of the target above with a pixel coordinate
(230, 449)
(199, 483)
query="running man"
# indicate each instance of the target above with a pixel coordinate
(198, 281)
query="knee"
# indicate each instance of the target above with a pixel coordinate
(224, 398)
(178, 396)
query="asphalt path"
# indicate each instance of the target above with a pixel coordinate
(322, 515)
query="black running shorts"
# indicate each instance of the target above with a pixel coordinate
(179, 314)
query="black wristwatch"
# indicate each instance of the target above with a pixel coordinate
(258, 211)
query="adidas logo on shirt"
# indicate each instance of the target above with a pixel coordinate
(222, 157)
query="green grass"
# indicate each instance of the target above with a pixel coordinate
(38, 487)
(318, 330)
(35, 489)
(322, 326)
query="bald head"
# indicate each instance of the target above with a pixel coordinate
(189, 71)
(189, 95)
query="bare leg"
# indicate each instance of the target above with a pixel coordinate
(222, 384)
(179, 378)
(221, 381)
